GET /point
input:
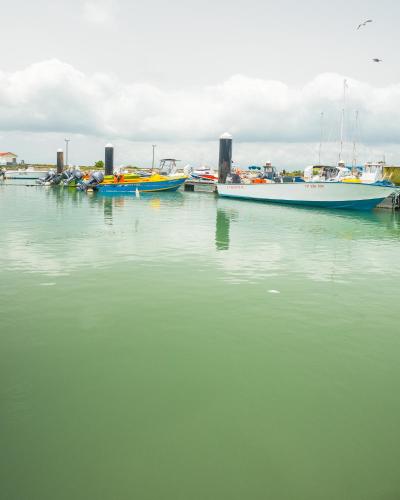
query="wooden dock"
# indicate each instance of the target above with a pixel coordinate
(200, 186)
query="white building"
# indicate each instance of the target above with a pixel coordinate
(8, 158)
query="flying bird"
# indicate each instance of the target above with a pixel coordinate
(377, 60)
(364, 23)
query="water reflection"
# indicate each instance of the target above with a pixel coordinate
(242, 242)
(108, 211)
(222, 229)
(61, 194)
(322, 245)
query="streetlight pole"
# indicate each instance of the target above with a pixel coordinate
(66, 151)
(152, 164)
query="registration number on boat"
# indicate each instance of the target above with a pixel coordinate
(313, 186)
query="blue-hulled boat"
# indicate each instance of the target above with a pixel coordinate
(143, 185)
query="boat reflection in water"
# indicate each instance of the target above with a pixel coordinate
(278, 240)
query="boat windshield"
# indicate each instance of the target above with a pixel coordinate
(168, 166)
(320, 173)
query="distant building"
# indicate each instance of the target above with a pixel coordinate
(8, 158)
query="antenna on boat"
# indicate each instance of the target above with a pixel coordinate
(321, 137)
(354, 163)
(152, 163)
(342, 120)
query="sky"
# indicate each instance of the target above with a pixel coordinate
(178, 74)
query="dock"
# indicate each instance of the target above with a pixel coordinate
(200, 186)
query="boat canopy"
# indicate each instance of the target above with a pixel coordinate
(324, 172)
(168, 166)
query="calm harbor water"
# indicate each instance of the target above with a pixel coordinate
(178, 346)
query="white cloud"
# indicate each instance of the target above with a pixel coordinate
(52, 96)
(97, 12)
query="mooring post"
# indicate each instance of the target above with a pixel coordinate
(225, 157)
(109, 160)
(60, 161)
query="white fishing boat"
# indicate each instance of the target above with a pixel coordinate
(25, 173)
(330, 194)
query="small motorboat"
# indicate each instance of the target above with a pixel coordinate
(167, 179)
(25, 174)
(204, 174)
(155, 182)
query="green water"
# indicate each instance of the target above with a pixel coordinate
(146, 354)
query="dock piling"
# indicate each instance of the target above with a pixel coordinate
(109, 160)
(60, 161)
(225, 157)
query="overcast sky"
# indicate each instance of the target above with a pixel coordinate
(180, 73)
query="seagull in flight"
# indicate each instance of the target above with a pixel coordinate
(364, 23)
(377, 60)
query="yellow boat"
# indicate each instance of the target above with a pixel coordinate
(392, 174)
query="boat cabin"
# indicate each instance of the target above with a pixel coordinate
(376, 172)
(168, 166)
(324, 173)
(372, 172)
(392, 174)
(270, 172)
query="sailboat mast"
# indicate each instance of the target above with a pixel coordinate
(355, 142)
(321, 137)
(342, 120)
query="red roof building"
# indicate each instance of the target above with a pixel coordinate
(8, 158)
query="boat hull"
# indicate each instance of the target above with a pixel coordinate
(142, 187)
(335, 195)
(25, 175)
(204, 177)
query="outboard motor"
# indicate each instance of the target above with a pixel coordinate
(2, 174)
(72, 175)
(67, 176)
(47, 178)
(78, 175)
(55, 181)
(94, 179)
